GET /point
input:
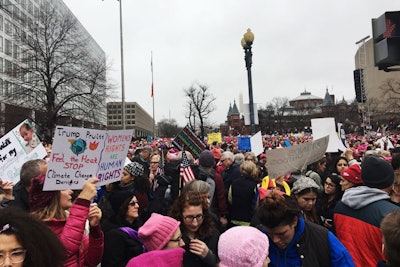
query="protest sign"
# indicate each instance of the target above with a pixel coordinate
(79, 154)
(244, 143)
(284, 160)
(15, 150)
(326, 126)
(256, 144)
(214, 137)
(188, 140)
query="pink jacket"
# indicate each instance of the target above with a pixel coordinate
(81, 250)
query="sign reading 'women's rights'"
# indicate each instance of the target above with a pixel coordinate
(79, 154)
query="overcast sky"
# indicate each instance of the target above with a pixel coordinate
(298, 45)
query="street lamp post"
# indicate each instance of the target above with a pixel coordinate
(247, 41)
(122, 67)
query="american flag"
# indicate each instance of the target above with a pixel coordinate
(186, 172)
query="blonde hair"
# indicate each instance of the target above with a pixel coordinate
(51, 211)
(249, 168)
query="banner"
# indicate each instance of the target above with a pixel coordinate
(188, 140)
(294, 158)
(17, 147)
(79, 154)
(214, 137)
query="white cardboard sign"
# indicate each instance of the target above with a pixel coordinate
(15, 151)
(79, 154)
(284, 160)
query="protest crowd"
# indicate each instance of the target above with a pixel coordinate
(222, 206)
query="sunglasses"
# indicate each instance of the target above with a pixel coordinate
(133, 203)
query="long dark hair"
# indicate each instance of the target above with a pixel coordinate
(193, 199)
(43, 248)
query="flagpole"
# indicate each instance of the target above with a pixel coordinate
(152, 95)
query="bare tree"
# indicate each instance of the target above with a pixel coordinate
(280, 104)
(391, 90)
(200, 105)
(168, 128)
(60, 69)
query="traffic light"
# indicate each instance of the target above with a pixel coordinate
(359, 85)
(386, 38)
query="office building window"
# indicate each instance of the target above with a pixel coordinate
(1, 65)
(1, 44)
(8, 47)
(1, 23)
(7, 67)
(8, 27)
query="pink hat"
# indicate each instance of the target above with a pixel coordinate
(243, 246)
(161, 258)
(352, 174)
(38, 198)
(157, 231)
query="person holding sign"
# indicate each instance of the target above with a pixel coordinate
(68, 220)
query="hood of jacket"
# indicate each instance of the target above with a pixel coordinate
(361, 196)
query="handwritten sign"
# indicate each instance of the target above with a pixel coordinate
(284, 160)
(79, 154)
(14, 152)
(214, 137)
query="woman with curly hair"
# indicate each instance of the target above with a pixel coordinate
(198, 230)
(26, 241)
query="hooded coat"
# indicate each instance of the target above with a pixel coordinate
(357, 220)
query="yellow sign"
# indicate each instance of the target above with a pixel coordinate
(214, 137)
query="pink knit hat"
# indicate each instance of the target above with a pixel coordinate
(38, 198)
(157, 231)
(243, 246)
(161, 258)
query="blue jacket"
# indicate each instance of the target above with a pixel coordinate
(300, 250)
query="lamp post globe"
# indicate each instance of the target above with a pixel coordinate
(247, 42)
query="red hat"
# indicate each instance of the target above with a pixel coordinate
(38, 198)
(263, 156)
(352, 174)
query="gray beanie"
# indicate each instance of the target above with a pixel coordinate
(304, 183)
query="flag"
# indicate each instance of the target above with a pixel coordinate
(186, 172)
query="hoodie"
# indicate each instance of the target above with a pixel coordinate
(357, 220)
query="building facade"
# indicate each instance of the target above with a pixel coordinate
(382, 102)
(15, 18)
(135, 118)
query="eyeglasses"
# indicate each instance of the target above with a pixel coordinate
(330, 185)
(133, 203)
(154, 162)
(15, 256)
(190, 218)
(178, 239)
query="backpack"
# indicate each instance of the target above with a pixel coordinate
(133, 234)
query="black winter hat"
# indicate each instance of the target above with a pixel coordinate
(206, 159)
(117, 198)
(376, 172)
